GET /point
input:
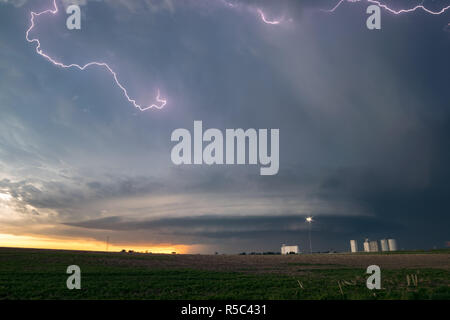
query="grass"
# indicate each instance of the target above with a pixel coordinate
(304, 264)
(42, 275)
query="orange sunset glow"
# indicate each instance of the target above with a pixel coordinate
(8, 240)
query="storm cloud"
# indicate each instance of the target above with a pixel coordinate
(363, 115)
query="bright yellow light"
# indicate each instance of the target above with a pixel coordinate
(9, 240)
(309, 219)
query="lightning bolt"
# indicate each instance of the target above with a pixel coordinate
(384, 6)
(258, 11)
(393, 11)
(263, 17)
(161, 102)
(265, 20)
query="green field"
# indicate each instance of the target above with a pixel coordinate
(41, 274)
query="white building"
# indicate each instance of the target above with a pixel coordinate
(289, 249)
(392, 244)
(366, 246)
(373, 246)
(384, 245)
(354, 245)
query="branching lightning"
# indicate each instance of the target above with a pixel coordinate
(379, 3)
(161, 102)
(393, 11)
(387, 8)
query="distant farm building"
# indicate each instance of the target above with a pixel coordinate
(372, 246)
(354, 245)
(366, 246)
(289, 249)
(392, 244)
(384, 245)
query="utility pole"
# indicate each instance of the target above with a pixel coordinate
(309, 220)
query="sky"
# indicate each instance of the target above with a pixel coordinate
(364, 120)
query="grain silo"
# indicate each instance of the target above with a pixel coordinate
(384, 245)
(392, 244)
(373, 246)
(354, 245)
(366, 246)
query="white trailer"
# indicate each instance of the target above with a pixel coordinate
(289, 249)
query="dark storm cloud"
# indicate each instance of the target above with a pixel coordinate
(363, 118)
(259, 233)
(209, 225)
